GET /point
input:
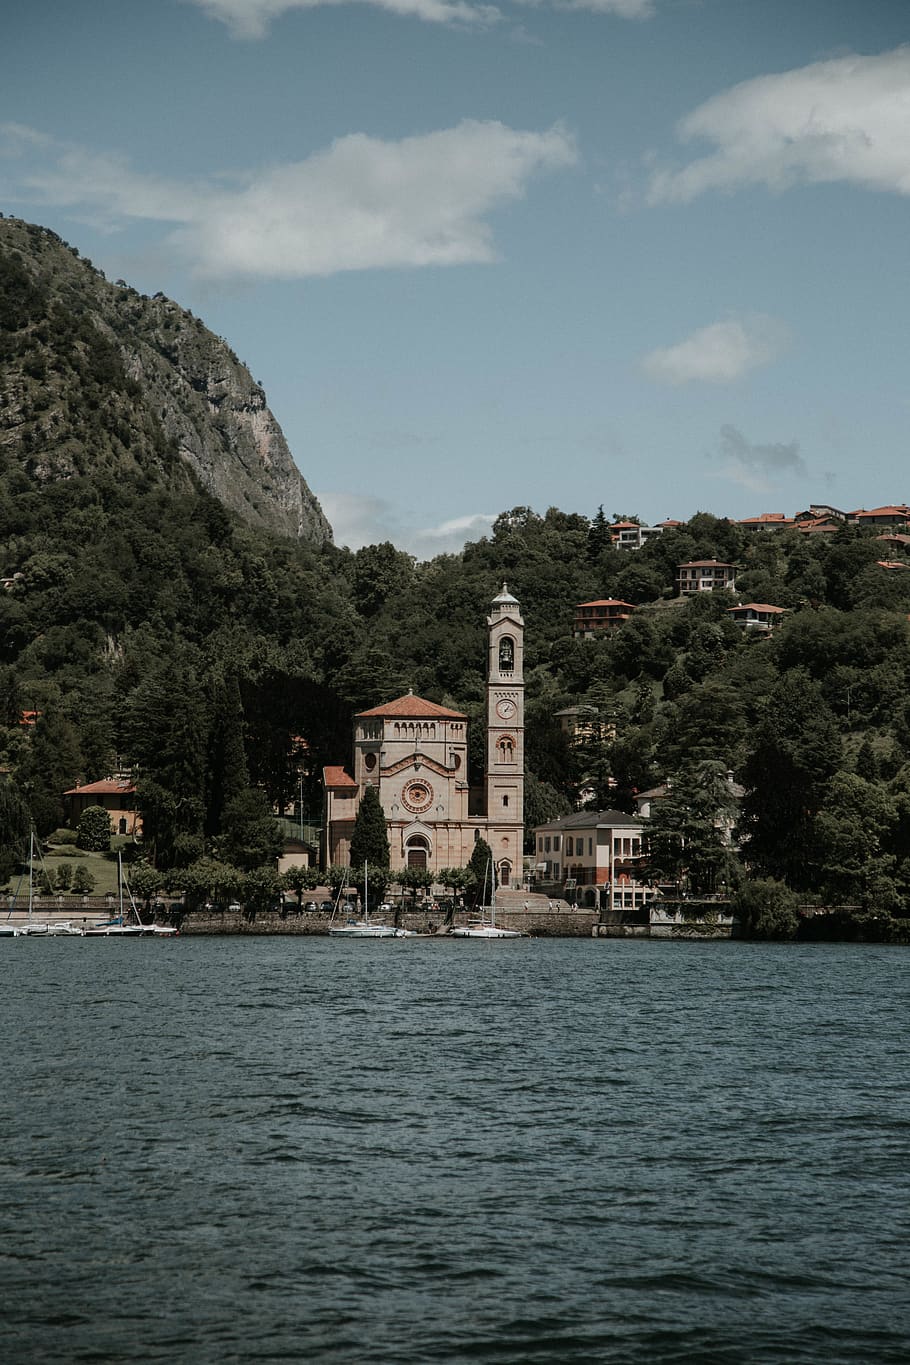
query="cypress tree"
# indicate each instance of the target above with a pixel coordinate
(370, 840)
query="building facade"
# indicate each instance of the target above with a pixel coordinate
(415, 753)
(704, 575)
(593, 618)
(595, 858)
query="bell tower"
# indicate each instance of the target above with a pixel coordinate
(505, 735)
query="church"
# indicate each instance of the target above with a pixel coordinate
(415, 753)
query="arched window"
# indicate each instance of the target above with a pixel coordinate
(505, 749)
(506, 654)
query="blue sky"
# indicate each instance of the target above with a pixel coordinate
(650, 254)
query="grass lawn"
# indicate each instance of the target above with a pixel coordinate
(101, 866)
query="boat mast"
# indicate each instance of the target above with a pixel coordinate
(31, 870)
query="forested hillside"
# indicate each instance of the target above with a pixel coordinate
(149, 626)
(154, 629)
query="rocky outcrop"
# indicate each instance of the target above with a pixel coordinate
(97, 376)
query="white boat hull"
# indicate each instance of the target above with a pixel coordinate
(485, 931)
(362, 929)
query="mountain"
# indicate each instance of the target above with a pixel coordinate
(95, 377)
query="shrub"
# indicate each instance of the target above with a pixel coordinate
(63, 877)
(94, 829)
(62, 837)
(83, 881)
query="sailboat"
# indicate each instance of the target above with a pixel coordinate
(121, 926)
(51, 928)
(485, 926)
(364, 928)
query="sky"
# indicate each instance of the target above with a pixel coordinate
(650, 255)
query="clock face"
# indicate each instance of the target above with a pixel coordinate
(505, 708)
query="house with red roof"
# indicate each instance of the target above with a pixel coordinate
(897, 515)
(760, 616)
(768, 521)
(415, 753)
(593, 618)
(117, 795)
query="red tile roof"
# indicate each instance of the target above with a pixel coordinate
(607, 602)
(108, 786)
(900, 513)
(414, 708)
(337, 777)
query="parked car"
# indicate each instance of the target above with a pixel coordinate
(310, 906)
(327, 907)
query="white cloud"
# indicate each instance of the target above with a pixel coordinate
(845, 119)
(719, 353)
(623, 9)
(756, 466)
(358, 520)
(251, 18)
(361, 204)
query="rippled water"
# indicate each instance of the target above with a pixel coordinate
(414, 1151)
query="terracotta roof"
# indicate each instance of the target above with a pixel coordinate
(412, 706)
(816, 524)
(337, 777)
(892, 564)
(900, 513)
(607, 602)
(756, 606)
(108, 786)
(767, 518)
(894, 538)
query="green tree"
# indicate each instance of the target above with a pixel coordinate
(83, 883)
(300, 879)
(145, 881)
(483, 869)
(251, 836)
(15, 823)
(369, 840)
(796, 750)
(689, 830)
(766, 908)
(414, 879)
(93, 831)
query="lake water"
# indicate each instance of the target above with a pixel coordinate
(258, 1150)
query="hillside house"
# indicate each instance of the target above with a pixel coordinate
(760, 616)
(768, 521)
(593, 618)
(704, 575)
(898, 515)
(116, 795)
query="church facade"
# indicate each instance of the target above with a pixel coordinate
(415, 753)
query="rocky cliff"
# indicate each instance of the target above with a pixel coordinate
(96, 377)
